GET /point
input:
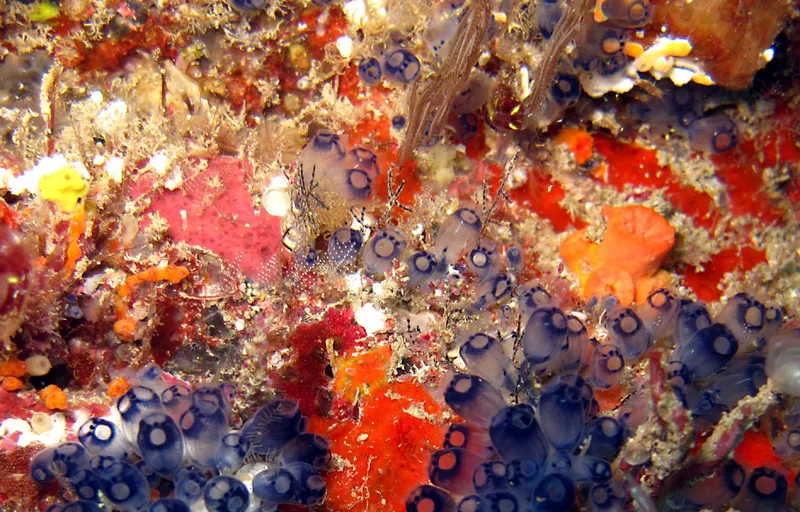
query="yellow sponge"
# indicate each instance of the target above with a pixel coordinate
(65, 188)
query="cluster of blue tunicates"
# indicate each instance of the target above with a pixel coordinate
(550, 449)
(399, 65)
(177, 443)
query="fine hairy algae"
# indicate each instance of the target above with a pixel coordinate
(430, 100)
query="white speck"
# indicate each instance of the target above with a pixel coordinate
(114, 168)
(345, 46)
(370, 318)
(239, 325)
(356, 12)
(96, 96)
(175, 180)
(354, 282)
(110, 118)
(768, 54)
(362, 438)
(160, 163)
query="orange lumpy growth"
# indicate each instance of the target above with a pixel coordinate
(579, 142)
(54, 397)
(118, 387)
(77, 227)
(365, 373)
(627, 261)
(387, 449)
(13, 368)
(125, 327)
(12, 384)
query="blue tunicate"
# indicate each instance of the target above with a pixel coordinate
(606, 366)
(343, 246)
(457, 233)
(578, 345)
(81, 506)
(692, 317)
(787, 444)
(607, 437)
(717, 490)
(782, 362)
(125, 487)
(369, 70)
(310, 485)
(745, 317)
(533, 297)
(308, 448)
(741, 378)
(606, 497)
(152, 377)
(276, 485)
(660, 312)
(273, 426)
(452, 469)
(401, 66)
(380, 252)
(189, 484)
(427, 498)
(473, 399)
(422, 268)
(231, 453)
(203, 426)
(514, 257)
(492, 291)
(566, 88)
(87, 484)
(626, 13)
(522, 475)
(73, 311)
(160, 443)
(475, 440)
(547, 15)
(398, 122)
(612, 64)
(554, 492)
(626, 330)
(471, 503)
(765, 490)
(586, 468)
(484, 356)
(709, 350)
(544, 336)
(248, 5)
(503, 501)
(516, 434)
(482, 260)
(176, 400)
(152, 477)
(100, 436)
(703, 405)
(490, 477)
(226, 494)
(68, 458)
(561, 415)
(102, 463)
(715, 134)
(135, 404)
(168, 505)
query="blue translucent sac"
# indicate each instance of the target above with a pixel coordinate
(231, 453)
(457, 233)
(554, 492)
(473, 399)
(504, 501)
(189, 484)
(483, 260)
(607, 438)
(484, 356)
(578, 345)
(273, 426)
(787, 444)
(475, 440)
(81, 506)
(626, 331)
(427, 498)
(100, 436)
(356, 179)
(606, 497)
(523, 475)
(308, 448)
(495, 289)
(783, 362)
(126, 487)
(547, 16)
(152, 477)
(152, 377)
(101, 464)
(212, 396)
(168, 505)
(471, 503)
(720, 488)
(86, 484)
(422, 268)
(745, 317)
(160, 443)
(203, 427)
(544, 336)
(692, 317)
(134, 405)
(714, 134)
(708, 351)
(343, 246)
(678, 374)
(276, 485)
(176, 400)
(742, 377)
(516, 434)
(441, 28)
(704, 405)
(561, 415)
(310, 485)
(606, 366)
(590, 469)
(490, 477)
(452, 469)
(533, 297)
(226, 494)
(401, 66)
(321, 158)
(626, 13)
(566, 88)
(659, 313)
(68, 459)
(765, 490)
(514, 257)
(382, 250)
(42, 466)
(369, 70)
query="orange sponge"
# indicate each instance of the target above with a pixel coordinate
(627, 263)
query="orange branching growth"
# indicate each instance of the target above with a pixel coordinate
(579, 142)
(627, 263)
(118, 387)
(77, 227)
(126, 326)
(54, 397)
(13, 368)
